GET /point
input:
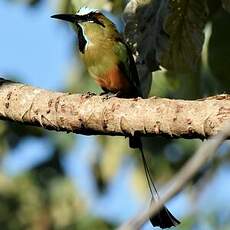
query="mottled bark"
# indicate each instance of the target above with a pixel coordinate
(91, 115)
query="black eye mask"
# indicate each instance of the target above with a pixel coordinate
(92, 17)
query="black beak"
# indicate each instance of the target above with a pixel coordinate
(74, 18)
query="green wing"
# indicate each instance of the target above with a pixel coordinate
(128, 66)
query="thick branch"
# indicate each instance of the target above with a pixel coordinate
(88, 114)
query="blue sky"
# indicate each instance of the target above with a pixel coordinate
(38, 50)
(33, 47)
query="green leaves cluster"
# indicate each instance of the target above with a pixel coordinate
(184, 25)
(170, 33)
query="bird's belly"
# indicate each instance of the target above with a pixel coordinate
(106, 72)
(112, 80)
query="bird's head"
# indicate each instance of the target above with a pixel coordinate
(91, 25)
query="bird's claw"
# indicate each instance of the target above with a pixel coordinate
(109, 95)
(89, 94)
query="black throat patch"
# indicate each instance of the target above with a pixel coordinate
(81, 40)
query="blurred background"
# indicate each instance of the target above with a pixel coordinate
(54, 180)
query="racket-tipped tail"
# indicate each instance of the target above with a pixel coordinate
(164, 219)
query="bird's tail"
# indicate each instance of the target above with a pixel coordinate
(164, 218)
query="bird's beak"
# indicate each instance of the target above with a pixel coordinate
(74, 18)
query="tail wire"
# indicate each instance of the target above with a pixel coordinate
(148, 174)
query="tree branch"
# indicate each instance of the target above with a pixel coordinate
(206, 152)
(94, 115)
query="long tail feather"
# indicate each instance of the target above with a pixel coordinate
(164, 218)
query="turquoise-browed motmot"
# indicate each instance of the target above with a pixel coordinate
(110, 62)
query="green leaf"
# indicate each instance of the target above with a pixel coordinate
(144, 33)
(184, 25)
(219, 50)
(144, 30)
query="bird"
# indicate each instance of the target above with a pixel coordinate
(110, 62)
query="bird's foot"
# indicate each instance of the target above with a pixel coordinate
(108, 95)
(89, 94)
